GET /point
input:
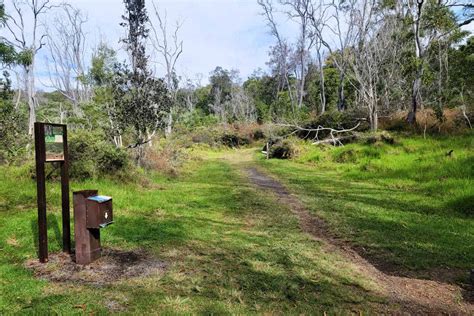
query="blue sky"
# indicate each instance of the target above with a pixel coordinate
(227, 33)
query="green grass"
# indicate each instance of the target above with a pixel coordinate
(229, 249)
(409, 204)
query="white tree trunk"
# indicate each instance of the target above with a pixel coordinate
(31, 96)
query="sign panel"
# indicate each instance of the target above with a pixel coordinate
(53, 138)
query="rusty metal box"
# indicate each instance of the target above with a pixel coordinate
(99, 211)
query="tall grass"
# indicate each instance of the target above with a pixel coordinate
(410, 204)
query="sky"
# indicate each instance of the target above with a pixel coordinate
(227, 33)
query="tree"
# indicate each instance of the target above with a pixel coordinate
(461, 78)
(221, 84)
(11, 121)
(65, 63)
(318, 18)
(28, 41)
(432, 22)
(280, 53)
(240, 106)
(142, 101)
(101, 76)
(170, 48)
(7, 51)
(300, 10)
(263, 89)
(221, 89)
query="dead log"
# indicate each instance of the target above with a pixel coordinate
(332, 133)
(337, 140)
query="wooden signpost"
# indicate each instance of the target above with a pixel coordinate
(51, 146)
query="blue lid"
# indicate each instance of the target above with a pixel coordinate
(100, 198)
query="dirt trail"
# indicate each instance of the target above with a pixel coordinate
(414, 296)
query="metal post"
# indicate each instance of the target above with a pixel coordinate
(41, 192)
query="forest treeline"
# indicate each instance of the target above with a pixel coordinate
(366, 59)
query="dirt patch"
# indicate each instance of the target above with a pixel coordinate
(414, 296)
(114, 265)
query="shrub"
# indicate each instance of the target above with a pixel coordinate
(204, 136)
(370, 152)
(166, 156)
(91, 156)
(197, 118)
(233, 140)
(82, 155)
(280, 148)
(284, 150)
(356, 154)
(384, 137)
(112, 159)
(13, 138)
(430, 121)
(387, 138)
(229, 135)
(345, 156)
(258, 134)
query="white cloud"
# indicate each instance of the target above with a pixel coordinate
(469, 27)
(227, 33)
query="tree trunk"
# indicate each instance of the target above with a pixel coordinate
(375, 123)
(341, 100)
(301, 92)
(373, 120)
(419, 59)
(321, 83)
(411, 119)
(18, 96)
(31, 96)
(169, 125)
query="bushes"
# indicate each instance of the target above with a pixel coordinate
(384, 137)
(81, 155)
(355, 154)
(365, 148)
(258, 134)
(112, 159)
(345, 156)
(204, 136)
(280, 148)
(91, 156)
(166, 156)
(13, 138)
(283, 150)
(428, 121)
(232, 136)
(197, 118)
(234, 140)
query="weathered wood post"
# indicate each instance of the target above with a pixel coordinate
(51, 146)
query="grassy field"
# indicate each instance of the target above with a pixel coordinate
(228, 249)
(409, 206)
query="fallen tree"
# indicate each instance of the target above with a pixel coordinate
(336, 136)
